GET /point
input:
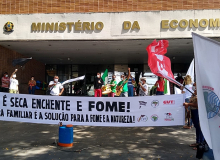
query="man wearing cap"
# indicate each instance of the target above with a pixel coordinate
(143, 90)
(13, 88)
(55, 87)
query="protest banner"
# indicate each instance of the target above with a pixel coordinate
(93, 111)
(207, 66)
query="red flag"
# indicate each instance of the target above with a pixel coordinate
(158, 63)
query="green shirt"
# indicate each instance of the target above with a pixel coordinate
(113, 88)
(125, 88)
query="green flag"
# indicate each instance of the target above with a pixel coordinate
(166, 87)
(105, 76)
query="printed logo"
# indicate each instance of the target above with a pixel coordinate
(212, 102)
(155, 103)
(154, 117)
(169, 117)
(169, 102)
(142, 118)
(142, 103)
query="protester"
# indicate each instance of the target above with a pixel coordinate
(13, 88)
(143, 90)
(32, 85)
(160, 86)
(188, 85)
(55, 87)
(195, 118)
(123, 84)
(5, 82)
(131, 83)
(113, 85)
(98, 82)
(179, 79)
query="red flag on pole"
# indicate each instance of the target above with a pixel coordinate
(159, 64)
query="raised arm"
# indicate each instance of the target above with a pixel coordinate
(129, 73)
(14, 72)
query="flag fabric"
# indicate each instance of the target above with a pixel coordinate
(105, 76)
(166, 87)
(21, 61)
(74, 79)
(207, 57)
(191, 71)
(159, 64)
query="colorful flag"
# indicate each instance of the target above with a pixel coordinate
(207, 66)
(105, 76)
(159, 64)
(166, 87)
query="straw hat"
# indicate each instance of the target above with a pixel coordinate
(144, 78)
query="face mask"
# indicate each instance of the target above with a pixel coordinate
(56, 80)
(98, 76)
(14, 76)
(122, 78)
(32, 78)
(6, 75)
(193, 88)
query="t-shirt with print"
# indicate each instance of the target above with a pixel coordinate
(13, 84)
(113, 88)
(141, 92)
(5, 82)
(187, 93)
(125, 88)
(56, 89)
(160, 86)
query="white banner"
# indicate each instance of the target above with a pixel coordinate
(207, 57)
(93, 111)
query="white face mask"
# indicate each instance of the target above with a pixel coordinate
(122, 78)
(193, 88)
(6, 75)
(56, 80)
(32, 78)
(98, 75)
(14, 76)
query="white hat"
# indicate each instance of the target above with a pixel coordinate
(144, 78)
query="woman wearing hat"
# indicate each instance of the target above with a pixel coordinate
(143, 90)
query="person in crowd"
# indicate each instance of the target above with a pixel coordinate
(98, 82)
(5, 82)
(123, 84)
(195, 118)
(179, 79)
(32, 85)
(56, 88)
(131, 83)
(160, 86)
(13, 88)
(188, 94)
(143, 90)
(113, 85)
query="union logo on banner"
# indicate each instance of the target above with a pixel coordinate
(212, 102)
(155, 103)
(169, 117)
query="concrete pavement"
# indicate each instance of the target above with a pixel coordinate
(26, 141)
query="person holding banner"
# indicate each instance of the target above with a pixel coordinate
(195, 118)
(143, 89)
(98, 82)
(55, 87)
(160, 86)
(13, 88)
(113, 85)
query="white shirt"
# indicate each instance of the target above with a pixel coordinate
(141, 92)
(187, 93)
(13, 84)
(56, 89)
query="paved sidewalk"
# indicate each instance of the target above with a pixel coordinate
(25, 141)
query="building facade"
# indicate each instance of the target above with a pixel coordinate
(70, 38)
